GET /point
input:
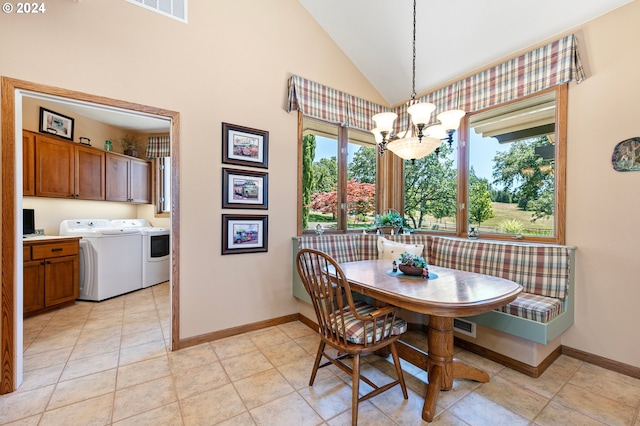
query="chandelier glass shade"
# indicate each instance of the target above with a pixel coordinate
(411, 148)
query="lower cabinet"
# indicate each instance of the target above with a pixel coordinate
(51, 274)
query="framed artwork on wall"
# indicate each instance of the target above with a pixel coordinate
(244, 146)
(244, 233)
(56, 124)
(244, 189)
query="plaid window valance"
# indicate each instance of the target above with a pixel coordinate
(159, 146)
(556, 63)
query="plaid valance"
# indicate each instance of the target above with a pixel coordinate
(556, 63)
(159, 146)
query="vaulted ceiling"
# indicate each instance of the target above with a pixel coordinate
(454, 37)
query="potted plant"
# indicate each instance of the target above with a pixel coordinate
(411, 264)
(130, 144)
(391, 220)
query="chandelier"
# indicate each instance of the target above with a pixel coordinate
(419, 140)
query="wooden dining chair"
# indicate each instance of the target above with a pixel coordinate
(352, 328)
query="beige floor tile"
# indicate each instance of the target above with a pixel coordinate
(48, 344)
(168, 415)
(268, 337)
(188, 358)
(86, 366)
(290, 409)
(141, 338)
(245, 365)
(140, 398)
(137, 327)
(29, 421)
(284, 353)
(296, 329)
(200, 379)
(143, 316)
(83, 388)
(484, 364)
(97, 335)
(95, 411)
(19, 405)
(243, 419)
(262, 388)
(368, 415)
(594, 405)
(100, 322)
(144, 371)
(298, 372)
(446, 419)
(328, 397)
(233, 346)
(142, 352)
(513, 397)
(212, 406)
(557, 414)
(97, 347)
(402, 411)
(40, 377)
(46, 359)
(309, 343)
(476, 409)
(607, 383)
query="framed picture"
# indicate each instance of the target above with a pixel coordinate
(244, 233)
(56, 124)
(244, 146)
(244, 189)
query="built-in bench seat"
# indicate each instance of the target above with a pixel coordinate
(542, 312)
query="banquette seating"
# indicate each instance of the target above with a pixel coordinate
(541, 313)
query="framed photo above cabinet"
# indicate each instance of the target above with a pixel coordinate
(56, 124)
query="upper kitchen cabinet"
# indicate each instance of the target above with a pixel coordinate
(67, 170)
(28, 163)
(128, 179)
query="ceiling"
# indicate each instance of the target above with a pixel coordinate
(453, 37)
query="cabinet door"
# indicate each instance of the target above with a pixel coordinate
(140, 189)
(89, 173)
(33, 286)
(28, 163)
(117, 178)
(61, 280)
(54, 168)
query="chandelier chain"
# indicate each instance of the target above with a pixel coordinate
(413, 87)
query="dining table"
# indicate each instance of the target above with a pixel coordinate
(444, 295)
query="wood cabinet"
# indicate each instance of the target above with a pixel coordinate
(128, 179)
(28, 163)
(51, 273)
(67, 170)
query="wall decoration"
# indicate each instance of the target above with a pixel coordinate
(244, 146)
(56, 124)
(244, 233)
(626, 156)
(244, 189)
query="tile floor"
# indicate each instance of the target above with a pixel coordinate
(108, 363)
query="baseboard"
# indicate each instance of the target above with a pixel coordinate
(221, 334)
(509, 362)
(600, 361)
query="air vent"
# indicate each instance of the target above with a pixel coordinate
(465, 327)
(176, 9)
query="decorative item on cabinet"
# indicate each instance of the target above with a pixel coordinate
(130, 145)
(85, 141)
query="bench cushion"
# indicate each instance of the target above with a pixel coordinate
(534, 307)
(343, 248)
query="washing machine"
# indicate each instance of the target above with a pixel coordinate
(156, 250)
(110, 258)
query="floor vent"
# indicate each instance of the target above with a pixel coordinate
(464, 327)
(176, 9)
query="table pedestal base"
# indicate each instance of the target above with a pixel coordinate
(442, 368)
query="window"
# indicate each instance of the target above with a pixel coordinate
(176, 9)
(338, 177)
(163, 204)
(506, 181)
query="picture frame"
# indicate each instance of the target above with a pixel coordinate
(245, 146)
(57, 124)
(244, 233)
(244, 189)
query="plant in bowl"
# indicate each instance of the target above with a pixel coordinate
(391, 220)
(412, 264)
(130, 144)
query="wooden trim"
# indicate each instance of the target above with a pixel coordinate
(513, 364)
(562, 100)
(299, 229)
(8, 87)
(233, 331)
(600, 361)
(308, 322)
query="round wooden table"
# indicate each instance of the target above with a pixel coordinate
(452, 294)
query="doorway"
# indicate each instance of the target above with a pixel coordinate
(11, 201)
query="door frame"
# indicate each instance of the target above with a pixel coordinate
(11, 199)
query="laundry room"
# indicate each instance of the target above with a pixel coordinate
(87, 174)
